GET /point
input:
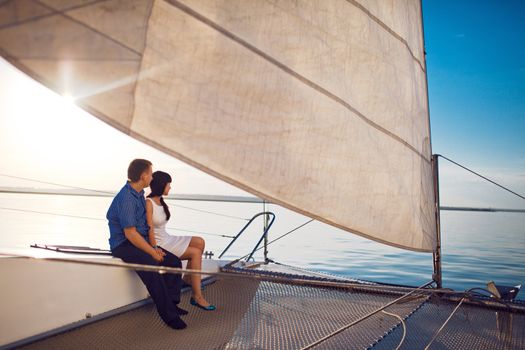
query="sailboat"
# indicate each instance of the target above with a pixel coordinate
(319, 107)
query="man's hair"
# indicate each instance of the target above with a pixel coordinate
(136, 168)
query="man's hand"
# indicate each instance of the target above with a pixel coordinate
(138, 241)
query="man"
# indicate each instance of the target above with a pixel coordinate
(128, 241)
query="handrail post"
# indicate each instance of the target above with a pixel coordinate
(436, 254)
(245, 227)
(265, 233)
(265, 230)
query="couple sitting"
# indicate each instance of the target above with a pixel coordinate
(138, 235)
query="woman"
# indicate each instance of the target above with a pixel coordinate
(185, 247)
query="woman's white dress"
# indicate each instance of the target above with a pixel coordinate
(174, 244)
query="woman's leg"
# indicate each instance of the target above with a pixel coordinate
(196, 242)
(194, 257)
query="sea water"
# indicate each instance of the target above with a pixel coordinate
(476, 246)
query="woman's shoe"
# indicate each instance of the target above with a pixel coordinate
(207, 308)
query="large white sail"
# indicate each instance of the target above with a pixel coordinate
(320, 106)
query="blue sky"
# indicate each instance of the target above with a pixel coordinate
(476, 74)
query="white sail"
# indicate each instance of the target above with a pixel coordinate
(320, 106)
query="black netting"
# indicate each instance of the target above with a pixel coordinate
(253, 314)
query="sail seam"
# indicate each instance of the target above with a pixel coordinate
(62, 13)
(388, 29)
(136, 80)
(52, 13)
(288, 70)
(254, 191)
(51, 58)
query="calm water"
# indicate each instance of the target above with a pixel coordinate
(477, 247)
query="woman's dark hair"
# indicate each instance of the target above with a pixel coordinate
(136, 168)
(157, 186)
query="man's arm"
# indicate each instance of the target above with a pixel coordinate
(138, 241)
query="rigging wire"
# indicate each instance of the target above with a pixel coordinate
(419, 291)
(113, 193)
(178, 270)
(200, 232)
(483, 177)
(287, 233)
(473, 292)
(175, 205)
(275, 240)
(282, 236)
(53, 214)
(317, 273)
(328, 283)
(205, 211)
(99, 219)
(55, 184)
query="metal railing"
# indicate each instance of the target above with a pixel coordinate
(266, 229)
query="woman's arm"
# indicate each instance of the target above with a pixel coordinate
(149, 220)
(138, 241)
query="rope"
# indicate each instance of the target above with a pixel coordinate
(444, 324)
(404, 327)
(402, 322)
(319, 341)
(483, 177)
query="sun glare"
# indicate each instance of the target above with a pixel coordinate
(68, 98)
(46, 136)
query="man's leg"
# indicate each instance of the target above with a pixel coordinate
(154, 283)
(173, 281)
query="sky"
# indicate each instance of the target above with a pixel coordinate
(476, 83)
(476, 79)
(476, 74)
(48, 138)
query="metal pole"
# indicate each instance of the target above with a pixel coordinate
(437, 276)
(265, 229)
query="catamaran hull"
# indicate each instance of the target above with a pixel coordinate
(40, 296)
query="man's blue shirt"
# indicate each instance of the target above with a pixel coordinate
(128, 209)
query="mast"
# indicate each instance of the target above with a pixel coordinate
(436, 254)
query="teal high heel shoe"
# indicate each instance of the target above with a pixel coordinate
(207, 308)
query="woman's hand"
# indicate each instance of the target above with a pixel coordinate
(157, 256)
(160, 251)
